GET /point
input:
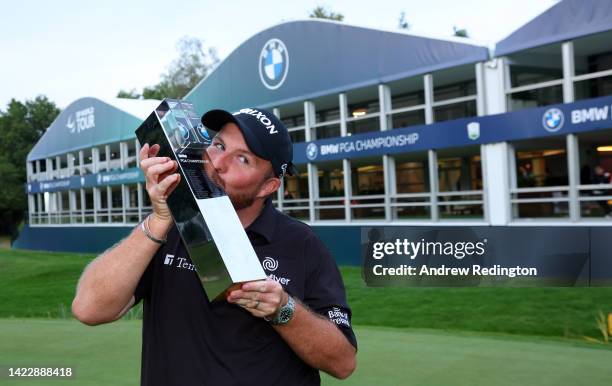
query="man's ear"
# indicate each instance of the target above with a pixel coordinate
(270, 186)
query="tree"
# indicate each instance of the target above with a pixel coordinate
(183, 74)
(402, 23)
(323, 13)
(21, 126)
(460, 32)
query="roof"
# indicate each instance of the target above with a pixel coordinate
(88, 122)
(565, 20)
(319, 57)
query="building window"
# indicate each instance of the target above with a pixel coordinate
(460, 183)
(368, 189)
(117, 203)
(595, 190)
(541, 178)
(412, 197)
(295, 125)
(407, 103)
(535, 98)
(327, 123)
(330, 204)
(536, 77)
(89, 205)
(363, 108)
(295, 195)
(455, 111)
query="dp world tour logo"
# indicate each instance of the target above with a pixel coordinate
(312, 151)
(552, 120)
(273, 64)
(270, 264)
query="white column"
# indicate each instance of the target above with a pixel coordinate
(309, 121)
(137, 151)
(432, 159)
(108, 157)
(83, 205)
(496, 182)
(384, 100)
(428, 93)
(31, 207)
(512, 179)
(313, 179)
(313, 190)
(123, 154)
(389, 182)
(573, 174)
(109, 202)
(29, 171)
(95, 159)
(342, 103)
(58, 167)
(481, 100)
(348, 189)
(96, 203)
(81, 162)
(37, 170)
(567, 54)
(140, 201)
(125, 201)
(49, 167)
(346, 164)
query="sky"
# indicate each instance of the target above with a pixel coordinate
(69, 49)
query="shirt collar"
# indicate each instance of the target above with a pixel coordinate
(265, 223)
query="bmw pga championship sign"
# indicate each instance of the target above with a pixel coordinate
(585, 115)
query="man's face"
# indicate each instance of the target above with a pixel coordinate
(242, 174)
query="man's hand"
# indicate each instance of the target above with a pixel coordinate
(262, 298)
(161, 180)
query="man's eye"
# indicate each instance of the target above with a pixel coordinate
(243, 159)
(218, 145)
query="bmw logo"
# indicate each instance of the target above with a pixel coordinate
(202, 131)
(183, 130)
(552, 120)
(273, 64)
(312, 151)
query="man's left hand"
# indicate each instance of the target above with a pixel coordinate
(262, 298)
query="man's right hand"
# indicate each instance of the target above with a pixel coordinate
(161, 180)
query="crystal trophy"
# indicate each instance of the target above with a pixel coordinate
(206, 220)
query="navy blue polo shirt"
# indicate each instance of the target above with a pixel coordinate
(186, 340)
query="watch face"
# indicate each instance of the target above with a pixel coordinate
(285, 315)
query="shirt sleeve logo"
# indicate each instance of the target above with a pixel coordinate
(338, 316)
(269, 264)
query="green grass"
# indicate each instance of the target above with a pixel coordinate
(110, 355)
(562, 312)
(420, 336)
(42, 284)
(38, 284)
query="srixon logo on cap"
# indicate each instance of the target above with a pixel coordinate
(261, 117)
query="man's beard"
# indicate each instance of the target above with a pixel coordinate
(241, 200)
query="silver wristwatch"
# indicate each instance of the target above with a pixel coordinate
(284, 314)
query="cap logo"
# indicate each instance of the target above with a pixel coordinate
(261, 117)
